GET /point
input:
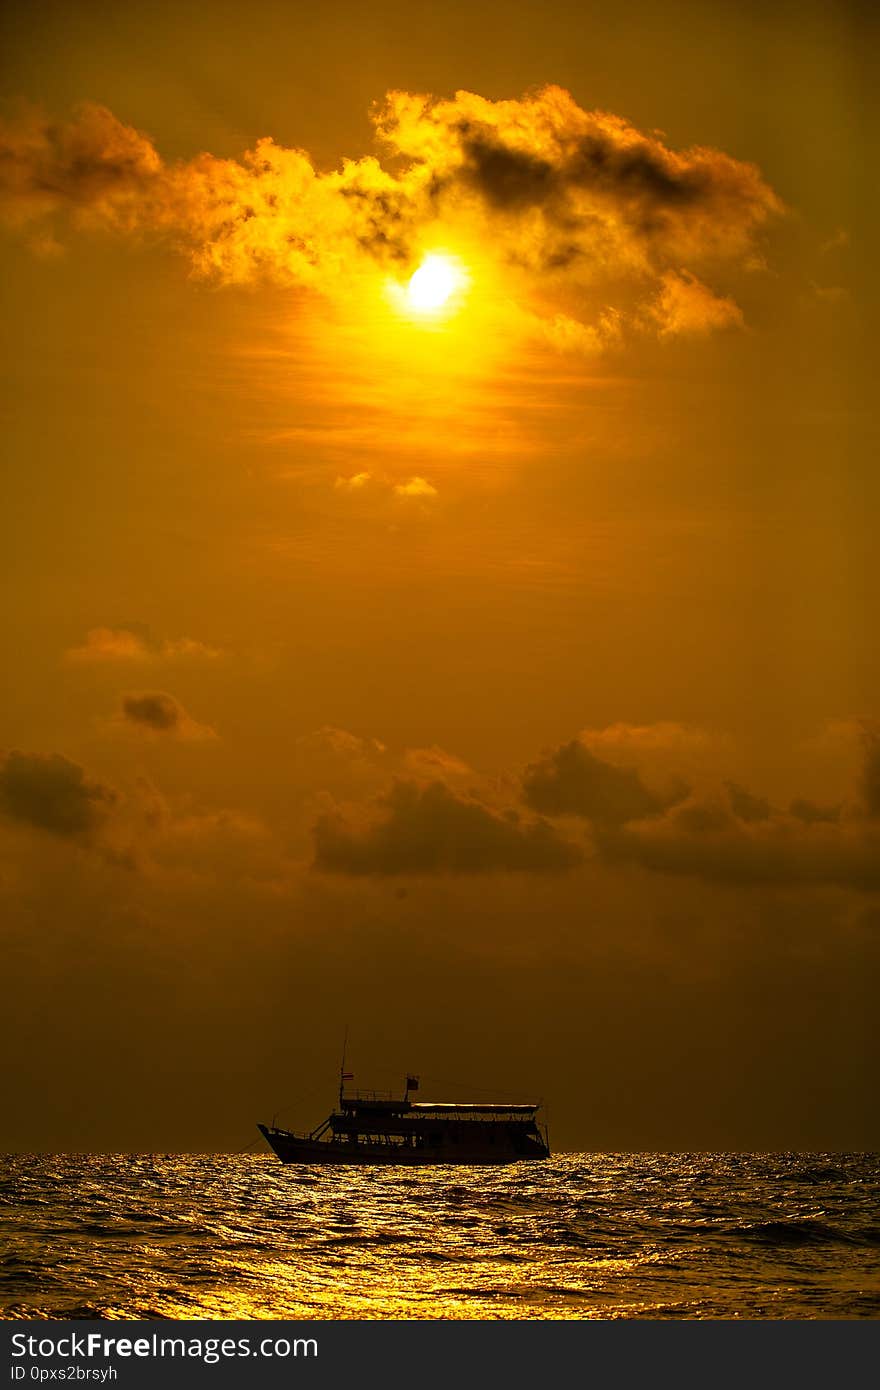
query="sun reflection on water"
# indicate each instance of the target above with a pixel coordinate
(582, 1236)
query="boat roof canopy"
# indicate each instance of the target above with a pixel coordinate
(448, 1105)
(372, 1104)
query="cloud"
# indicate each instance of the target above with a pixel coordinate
(341, 744)
(687, 308)
(670, 756)
(664, 737)
(368, 487)
(734, 836)
(568, 334)
(560, 194)
(111, 645)
(337, 761)
(869, 782)
(435, 763)
(720, 830)
(197, 845)
(747, 806)
(159, 713)
(50, 792)
(108, 644)
(572, 781)
(706, 839)
(92, 165)
(355, 483)
(415, 487)
(432, 830)
(805, 810)
(567, 188)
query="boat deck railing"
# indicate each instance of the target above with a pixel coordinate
(370, 1095)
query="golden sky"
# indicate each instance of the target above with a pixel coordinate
(439, 507)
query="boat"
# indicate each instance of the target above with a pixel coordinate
(376, 1127)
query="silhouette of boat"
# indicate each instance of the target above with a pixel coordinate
(375, 1127)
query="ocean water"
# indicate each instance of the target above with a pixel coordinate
(580, 1236)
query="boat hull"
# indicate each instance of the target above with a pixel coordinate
(293, 1148)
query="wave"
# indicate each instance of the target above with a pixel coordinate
(589, 1235)
(796, 1233)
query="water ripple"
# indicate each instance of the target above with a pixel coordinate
(582, 1236)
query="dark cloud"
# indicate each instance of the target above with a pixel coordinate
(509, 179)
(705, 838)
(780, 852)
(431, 829)
(155, 710)
(606, 193)
(51, 792)
(811, 813)
(726, 833)
(870, 780)
(162, 714)
(638, 174)
(703, 816)
(745, 805)
(91, 160)
(572, 781)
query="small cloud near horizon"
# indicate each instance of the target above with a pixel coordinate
(160, 713)
(111, 645)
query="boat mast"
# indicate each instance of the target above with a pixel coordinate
(342, 1066)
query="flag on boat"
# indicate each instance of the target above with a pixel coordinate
(348, 1076)
(412, 1083)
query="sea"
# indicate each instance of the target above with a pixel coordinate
(595, 1235)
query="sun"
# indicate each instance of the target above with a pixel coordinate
(432, 286)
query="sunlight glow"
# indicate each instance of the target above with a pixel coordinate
(434, 283)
